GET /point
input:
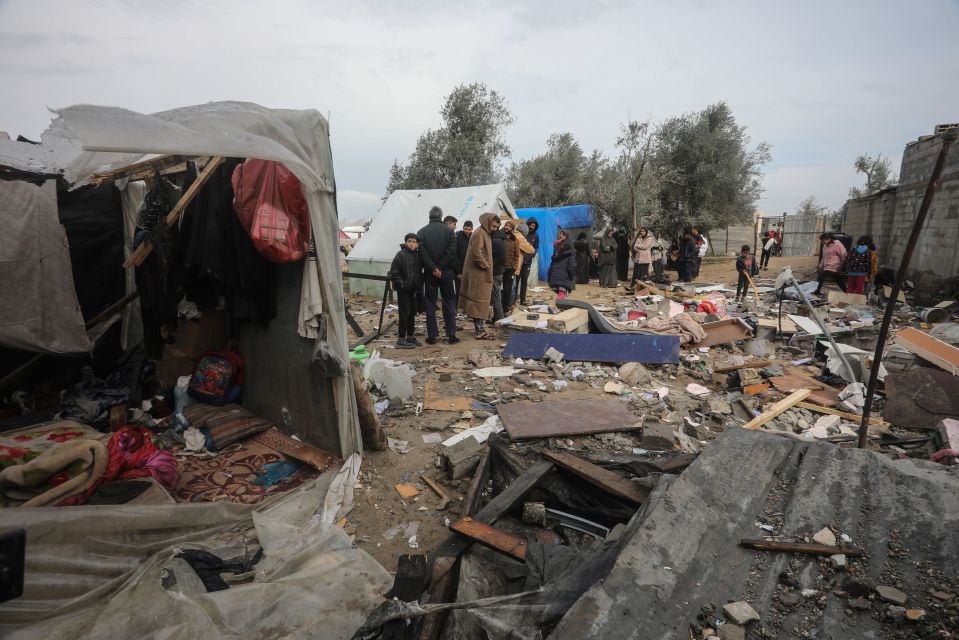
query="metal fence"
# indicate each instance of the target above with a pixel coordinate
(800, 233)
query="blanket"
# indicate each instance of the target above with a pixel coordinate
(60, 473)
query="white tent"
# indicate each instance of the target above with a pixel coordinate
(407, 211)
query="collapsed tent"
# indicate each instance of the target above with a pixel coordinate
(572, 219)
(406, 211)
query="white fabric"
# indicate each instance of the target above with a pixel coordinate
(39, 310)
(703, 248)
(407, 211)
(132, 195)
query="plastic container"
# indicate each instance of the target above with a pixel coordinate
(360, 354)
(397, 380)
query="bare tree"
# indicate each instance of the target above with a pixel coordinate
(635, 143)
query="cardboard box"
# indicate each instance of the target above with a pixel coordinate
(195, 337)
(173, 364)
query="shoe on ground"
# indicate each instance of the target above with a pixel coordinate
(453, 339)
(431, 341)
(402, 343)
(414, 342)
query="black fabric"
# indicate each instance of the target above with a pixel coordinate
(622, 256)
(119, 491)
(209, 567)
(432, 289)
(582, 260)
(406, 300)
(640, 270)
(523, 280)
(533, 238)
(437, 246)
(462, 248)
(838, 278)
(562, 271)
(406, 271)
(742, 285)
(499, 252)
(507, 294)
(220, 257)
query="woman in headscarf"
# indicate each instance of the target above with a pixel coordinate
(561, 236)
(622, 255)
(642, 254)
(582, 258)
(607, 260)
(476, 285)
(562, 270)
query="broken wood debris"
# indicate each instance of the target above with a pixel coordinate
(444, 499)
(786, 403)
(491, 537)
(800, 547)
(608, 481)
(566, 418)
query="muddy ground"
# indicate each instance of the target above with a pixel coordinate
(380, 512)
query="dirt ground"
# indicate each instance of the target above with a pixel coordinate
(380, 512)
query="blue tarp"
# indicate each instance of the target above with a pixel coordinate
(550, 221)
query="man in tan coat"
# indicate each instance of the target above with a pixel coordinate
(476, 285)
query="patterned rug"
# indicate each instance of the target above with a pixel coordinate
(230, 475)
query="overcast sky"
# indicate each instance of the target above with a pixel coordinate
(821, 82)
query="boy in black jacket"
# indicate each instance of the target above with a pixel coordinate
(406, 275)
(745, 263)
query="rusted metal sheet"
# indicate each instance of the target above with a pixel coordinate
(565, 418)
(597, 476)
(491, 537)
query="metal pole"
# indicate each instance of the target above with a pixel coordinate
(947, 139)
(822, 325)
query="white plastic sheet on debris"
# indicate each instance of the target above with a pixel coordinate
(854, 355)
(481, 432)
(310, 582)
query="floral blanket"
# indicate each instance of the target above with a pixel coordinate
(44, 464)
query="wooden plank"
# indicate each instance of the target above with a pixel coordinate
(806, 324)
(566, 418)
(612, 348)
(783, 405)
(480, 478)
(410, 580)
(502, 503)
(491, 537)
(821, 393)
(568, 321)
(943, 355)
(840, 298)
(773, 323)
(435, 399)
(140, 254)
(723, 332)
(138, 170)
(443, 587)
(598, 477)
(799, 547)
(848, 416)
(753, 364)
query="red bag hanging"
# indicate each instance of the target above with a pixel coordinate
(269, 201)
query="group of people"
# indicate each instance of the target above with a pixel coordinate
(852, 271)
(474, 271)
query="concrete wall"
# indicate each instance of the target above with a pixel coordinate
(279, 382)
(889, 217)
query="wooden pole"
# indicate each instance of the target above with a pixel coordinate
(947, 139)
(374, 436)
(140, 254)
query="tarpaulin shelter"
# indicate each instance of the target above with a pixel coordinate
(407, 211)
(310, 577)
(573, 218)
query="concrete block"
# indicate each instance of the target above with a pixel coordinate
(657, 436)
(634, 374)
(825, 536)
(462, 457)
(740, 612)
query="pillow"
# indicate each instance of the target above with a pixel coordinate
(224, 425)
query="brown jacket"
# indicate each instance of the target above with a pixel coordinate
(476, 284)
(517, 246)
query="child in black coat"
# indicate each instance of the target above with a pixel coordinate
(406, 276)
(745, 264)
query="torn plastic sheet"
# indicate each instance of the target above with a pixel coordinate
(310, 583)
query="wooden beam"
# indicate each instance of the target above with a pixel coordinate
(491, 537)
(480, 478)
(408, 584)
(141, 252)
(755, 364)
(852, 417)
(139, 170)
(443, 587)
(800, 547)
(785, 404)
(608, 481)
(759, 302)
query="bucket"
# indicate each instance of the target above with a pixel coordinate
(398, 381)
(932, 315)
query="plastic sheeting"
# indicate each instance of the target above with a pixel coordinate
(87, 139)
(407, 211)
(111, 571)
(39, 310)
(551, 220)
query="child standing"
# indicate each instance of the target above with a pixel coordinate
(745, 264)
(859, 266)
(406, 275)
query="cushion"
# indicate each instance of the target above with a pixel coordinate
(224, 425)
